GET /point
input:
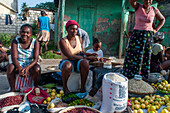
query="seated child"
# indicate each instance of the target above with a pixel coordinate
(24, 55)
(96, 49)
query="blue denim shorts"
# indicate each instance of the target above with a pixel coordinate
(75, 64)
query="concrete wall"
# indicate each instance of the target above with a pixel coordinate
(32, 15)
(5, 10)
(10, 28)
(164, 7)
(17, 23)
(9, 6)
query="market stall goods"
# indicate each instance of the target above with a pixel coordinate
(82, 102)
(68, 98)
(150, 104)
(32, 98)
(61, 104)
(140, 87)
(37, 98)
(115, 77)
(162, 86)
(11, 100)
(114, 93)
(81, 110)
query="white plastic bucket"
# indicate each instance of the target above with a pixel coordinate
(115, 93)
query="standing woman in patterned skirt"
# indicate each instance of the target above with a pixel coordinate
(138, 55)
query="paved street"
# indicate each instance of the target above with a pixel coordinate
(3, 83)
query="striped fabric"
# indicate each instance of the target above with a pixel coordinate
(22, 82)
(24, 57)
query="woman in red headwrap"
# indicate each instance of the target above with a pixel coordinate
(72, 55)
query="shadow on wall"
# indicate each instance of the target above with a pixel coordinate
(109, 34)
(110, 42)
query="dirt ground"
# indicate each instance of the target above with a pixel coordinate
(4, 86)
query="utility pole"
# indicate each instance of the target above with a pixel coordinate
(59, 22)
(62, 17)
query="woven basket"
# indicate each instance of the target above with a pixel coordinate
(144, 93)
(74, 107)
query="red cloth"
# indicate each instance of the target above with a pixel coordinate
(71, 22)
(129, 103)
(27, 90)
(42, 94)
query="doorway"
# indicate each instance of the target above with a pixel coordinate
(86, 16)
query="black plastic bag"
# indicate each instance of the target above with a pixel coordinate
(52, 77)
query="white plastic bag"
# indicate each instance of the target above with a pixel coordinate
(74, 82)
(115, 94)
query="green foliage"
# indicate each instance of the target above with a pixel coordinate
(33, 36)
(161, 7)
(34, 29)
(50, 55)
(47, 5)
(23, 7)
(6, 38)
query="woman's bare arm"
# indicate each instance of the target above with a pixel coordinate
(161, 20)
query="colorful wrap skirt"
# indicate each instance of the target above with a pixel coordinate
(138, 54)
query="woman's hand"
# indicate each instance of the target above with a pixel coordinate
(20, 71)
(165, 58)
(94, 54)
(92, 58)
(101, 59)
(25, 72)
(154, 31)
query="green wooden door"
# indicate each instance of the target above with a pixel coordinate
(86, 20)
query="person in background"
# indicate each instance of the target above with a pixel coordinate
(96, 50)
(72, 56)
(167, 53)
(3, 54)
(85, 37)
(138, 55)
(24, 54)
(44, 32)
(157, 59)
(167, 60)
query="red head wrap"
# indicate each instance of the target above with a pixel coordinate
(71, 22)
